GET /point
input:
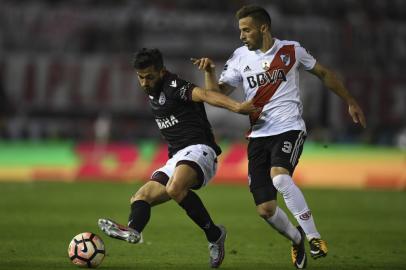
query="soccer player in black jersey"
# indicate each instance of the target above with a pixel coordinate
(179, 112)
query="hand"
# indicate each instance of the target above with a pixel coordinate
(356, 113)
(247, 107)
(205, 64)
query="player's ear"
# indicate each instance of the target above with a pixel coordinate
(264, 28)
(162, 72)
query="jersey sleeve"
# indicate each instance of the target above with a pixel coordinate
(183, 90)
(305, 58)
(230, 74)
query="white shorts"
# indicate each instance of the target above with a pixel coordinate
(202, 155)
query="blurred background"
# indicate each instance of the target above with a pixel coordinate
(72, 115)
(65, 72)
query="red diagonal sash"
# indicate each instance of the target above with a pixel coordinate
(265, 92)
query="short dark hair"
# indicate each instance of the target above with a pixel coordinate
(148, 57)
(259, 14)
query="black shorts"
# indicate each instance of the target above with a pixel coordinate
(282, 150)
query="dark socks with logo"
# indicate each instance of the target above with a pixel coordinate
(139, 216)
(197, 212)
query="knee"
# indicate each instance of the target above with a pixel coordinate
(175, 191)
(282, 182)
(266, 210)
(141, 196)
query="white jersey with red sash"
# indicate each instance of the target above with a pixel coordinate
(272, 80)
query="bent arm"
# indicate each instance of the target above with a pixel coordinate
(210, 79)
(226, 89)
(331, 81)
(222, 101)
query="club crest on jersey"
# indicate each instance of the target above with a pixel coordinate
(266, 65)
(285, 59)
(162, 99)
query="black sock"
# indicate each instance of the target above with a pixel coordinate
(139, 216)
(197, 212)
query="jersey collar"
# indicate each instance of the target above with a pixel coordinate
(271, 50)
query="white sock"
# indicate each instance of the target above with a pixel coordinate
(280, 222)
(296, 203)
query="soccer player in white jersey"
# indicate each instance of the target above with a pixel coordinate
(267, 70)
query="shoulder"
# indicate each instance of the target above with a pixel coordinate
(299, 50)
(170, 79)
(239, 53)
(173, 81)
(289, 42)
(243, 53)
(238, 57)
(177, 88)
(302, 54)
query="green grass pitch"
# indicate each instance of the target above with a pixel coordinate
(364, 229)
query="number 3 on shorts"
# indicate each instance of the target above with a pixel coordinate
(287, 147)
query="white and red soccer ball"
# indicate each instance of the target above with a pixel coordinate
(86, 250)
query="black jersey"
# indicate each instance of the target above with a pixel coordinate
(182, 121)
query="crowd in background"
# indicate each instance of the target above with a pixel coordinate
(65, 65)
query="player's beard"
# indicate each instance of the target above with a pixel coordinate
(154, 90)
(150, 91)
(256, 44)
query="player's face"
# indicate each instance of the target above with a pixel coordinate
(250, 33)
(150, 79)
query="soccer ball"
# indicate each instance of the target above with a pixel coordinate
(86, 250)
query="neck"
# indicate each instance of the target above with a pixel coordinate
(267, 43)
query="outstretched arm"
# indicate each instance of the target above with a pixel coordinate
(222, 101)
(210, 79)
(330, 81)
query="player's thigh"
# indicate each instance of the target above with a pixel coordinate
(200, 158)
(183, 178)
(152, 192)
(286, 149)
(259, 179)
(163, 174)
